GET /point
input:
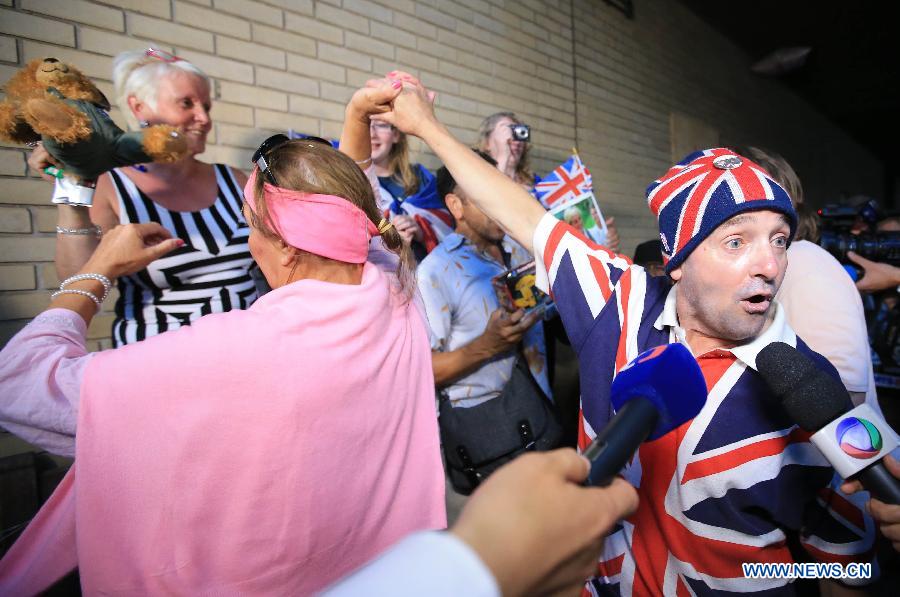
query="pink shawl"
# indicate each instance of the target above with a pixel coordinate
(269, 451)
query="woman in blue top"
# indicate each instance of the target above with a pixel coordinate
(408, 194)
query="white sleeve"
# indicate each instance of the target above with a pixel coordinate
(433, 563)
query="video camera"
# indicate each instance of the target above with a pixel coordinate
(882, 313)
(837, 237)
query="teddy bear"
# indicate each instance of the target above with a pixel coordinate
(53, 102)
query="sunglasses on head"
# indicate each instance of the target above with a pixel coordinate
(161, 55)
(272, 143)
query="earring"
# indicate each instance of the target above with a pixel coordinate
(143, 124)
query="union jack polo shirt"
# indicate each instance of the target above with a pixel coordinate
(740, 483)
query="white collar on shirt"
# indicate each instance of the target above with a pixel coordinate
(778, 331)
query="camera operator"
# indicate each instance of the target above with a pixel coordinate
(878, 276)
(861, 236)
(868, 244)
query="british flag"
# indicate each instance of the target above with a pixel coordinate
(568, 181)
(738, 483)
(424, 206)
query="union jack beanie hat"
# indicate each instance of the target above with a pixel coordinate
(704, 190)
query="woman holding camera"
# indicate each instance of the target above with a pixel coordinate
(507, 139)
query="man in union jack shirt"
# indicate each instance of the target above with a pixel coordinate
(740, 482)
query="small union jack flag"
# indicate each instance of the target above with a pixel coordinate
(567, 181)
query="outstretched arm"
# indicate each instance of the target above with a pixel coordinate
(878, 276)
(42, 367)
(504, 201)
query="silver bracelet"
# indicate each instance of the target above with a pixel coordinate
(86, 293)
(107, 285)
(93, 230)
(363, 162)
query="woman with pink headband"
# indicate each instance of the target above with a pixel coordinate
(265, 451)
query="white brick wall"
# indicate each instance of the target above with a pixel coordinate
(292, 63)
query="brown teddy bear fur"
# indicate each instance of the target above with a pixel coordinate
(164, 144)
(29, 111)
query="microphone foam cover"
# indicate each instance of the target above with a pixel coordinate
(670, 378)
(811, 397)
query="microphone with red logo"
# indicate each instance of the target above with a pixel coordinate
(853, 439)
(653, 394)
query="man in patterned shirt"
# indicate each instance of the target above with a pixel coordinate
(740, 482)
(473, 338)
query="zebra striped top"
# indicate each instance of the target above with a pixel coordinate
(209, 274)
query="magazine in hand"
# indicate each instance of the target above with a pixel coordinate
(516, 289)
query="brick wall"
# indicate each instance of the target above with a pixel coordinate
(281, 64)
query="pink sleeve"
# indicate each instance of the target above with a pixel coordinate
(41, 370)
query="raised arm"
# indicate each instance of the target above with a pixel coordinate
(79, 228)
(374, 98)
(503, 200)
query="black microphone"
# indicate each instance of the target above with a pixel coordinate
(656, 392)
(853, 440)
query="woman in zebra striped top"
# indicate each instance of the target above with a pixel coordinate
(197, 202)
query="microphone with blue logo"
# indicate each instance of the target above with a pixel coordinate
(653, 394)
(853, 439)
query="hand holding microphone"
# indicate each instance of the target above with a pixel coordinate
(854, 440)
(886, 515)
(655, 393)
(513, 522)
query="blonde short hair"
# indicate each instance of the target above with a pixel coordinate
(136, 73)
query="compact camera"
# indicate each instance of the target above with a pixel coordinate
(521, 132)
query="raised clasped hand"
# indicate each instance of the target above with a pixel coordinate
(412, 109)
(374, 98)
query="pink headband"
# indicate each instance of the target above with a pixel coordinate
(324, 225)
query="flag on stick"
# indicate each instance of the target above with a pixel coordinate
(568, 181)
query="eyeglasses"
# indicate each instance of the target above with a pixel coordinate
(161, 55)
(381, 126)
(272, 143)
